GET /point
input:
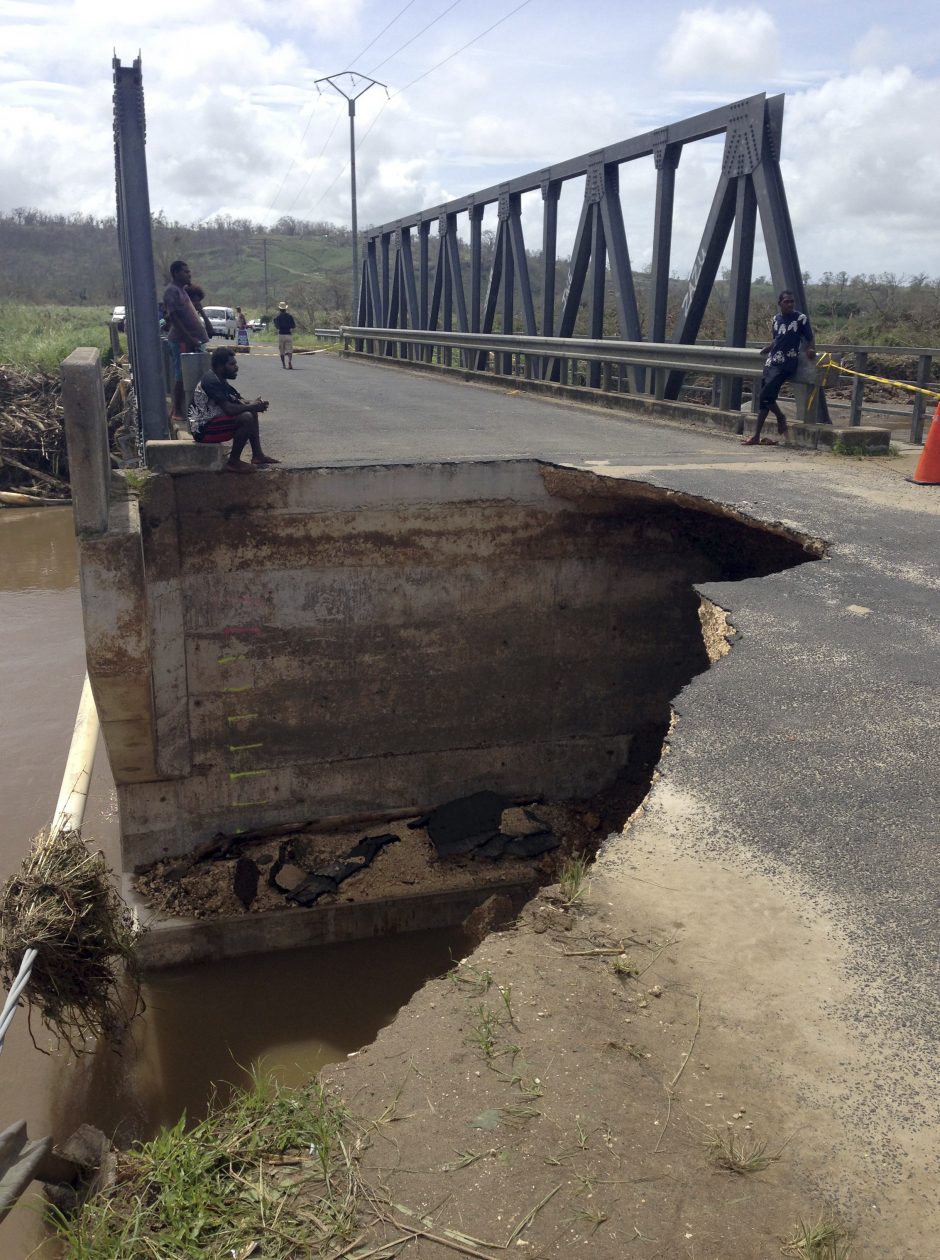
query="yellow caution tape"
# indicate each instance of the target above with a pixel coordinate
(827, 362)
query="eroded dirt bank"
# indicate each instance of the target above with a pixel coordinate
(587, 1070)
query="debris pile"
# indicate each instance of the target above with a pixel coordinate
(63, 903)
(33, 458)
(484, 838)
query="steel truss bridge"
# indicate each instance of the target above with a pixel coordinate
(401, 289)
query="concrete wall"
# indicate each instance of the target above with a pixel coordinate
(333, 642)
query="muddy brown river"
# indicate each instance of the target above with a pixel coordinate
(293, 1012)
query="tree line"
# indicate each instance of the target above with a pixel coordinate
(73, 259)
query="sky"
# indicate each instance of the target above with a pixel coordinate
(473, 92)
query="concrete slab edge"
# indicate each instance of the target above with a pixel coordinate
(170, 942)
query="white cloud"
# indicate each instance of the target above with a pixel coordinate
(722, 45)
(234, 122)
(862, 166)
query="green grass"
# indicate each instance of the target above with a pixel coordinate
(844, 446)
(739, 1155)
(41, 337)
(826, 1240)
(573, 880)
(274, 1167)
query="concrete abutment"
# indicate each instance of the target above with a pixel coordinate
(337, 643)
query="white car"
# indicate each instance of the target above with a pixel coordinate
(222, 319)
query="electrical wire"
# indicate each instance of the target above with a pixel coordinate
(293, 160)
(381, 33)
(443, 62)
(391, 56)
(418, 79)
(297, 153)
(414, 37)
(303, 186)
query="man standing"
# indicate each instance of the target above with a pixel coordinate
(285, 324)
(186, 332)
(791, 336)
(220, 414)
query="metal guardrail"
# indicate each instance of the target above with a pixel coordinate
(557, 358)
(713, 360)
(531, 357)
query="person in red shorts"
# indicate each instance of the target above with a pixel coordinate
(219, 414)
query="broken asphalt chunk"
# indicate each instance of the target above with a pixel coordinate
(369, 846)
(532, 846)
(338, 871)
(245, 881)
(311, 889)
(467, 823)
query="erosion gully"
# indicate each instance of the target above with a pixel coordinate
(207, 1026)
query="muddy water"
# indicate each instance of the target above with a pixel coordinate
(293, 1012)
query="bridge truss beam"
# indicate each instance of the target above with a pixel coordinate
(750, 184)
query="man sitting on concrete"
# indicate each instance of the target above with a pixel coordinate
(219, 414)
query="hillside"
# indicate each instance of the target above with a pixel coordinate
(73, 261)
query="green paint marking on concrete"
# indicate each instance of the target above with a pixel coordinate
(249, 804)
(247, 687)
(243, 747)
(241, 717)
(246, 774)
(227, 660)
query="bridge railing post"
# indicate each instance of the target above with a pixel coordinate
(858, 389)
(924, 365)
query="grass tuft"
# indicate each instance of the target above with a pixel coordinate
(826, 1240)
(475, 979)
(573, 880)
(739, 1155)
(483, 1033)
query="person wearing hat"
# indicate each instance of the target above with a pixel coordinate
(285, 324)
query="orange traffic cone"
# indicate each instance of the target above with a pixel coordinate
(928, 466)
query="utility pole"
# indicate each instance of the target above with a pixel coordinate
(264, 242)
(352, 91)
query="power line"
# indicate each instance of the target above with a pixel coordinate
(452, 55)
(443, 62)
(296, 155)
(417, 36)
(399, 91)
(303, 186)
(360, 55)
(401, 47)
(293, 161)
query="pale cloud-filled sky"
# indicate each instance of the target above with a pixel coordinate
(235, 124)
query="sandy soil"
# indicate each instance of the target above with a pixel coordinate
(572, 1086)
